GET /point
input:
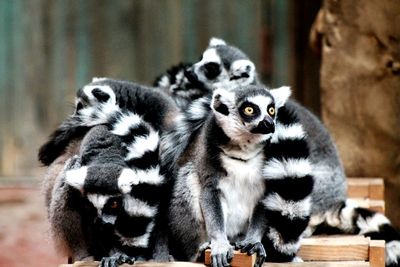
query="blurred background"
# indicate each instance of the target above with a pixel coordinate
(50, 48)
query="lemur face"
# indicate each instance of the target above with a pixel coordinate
(94, 96)
(104, 197)
(222, 65)
(248, 113)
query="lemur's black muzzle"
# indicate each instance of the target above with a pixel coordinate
(265, 126)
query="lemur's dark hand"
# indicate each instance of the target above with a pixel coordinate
(221, 254)
(201, 251)
(73, 163)
(116, 260)
(253, 247)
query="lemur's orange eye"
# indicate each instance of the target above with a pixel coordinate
(271, 111)
(114, 204)
(248, 110)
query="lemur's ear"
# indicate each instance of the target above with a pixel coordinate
(221, 101)
(216, 41)
(76, 177)
(281, 95)
(126, 179)
(100, 95)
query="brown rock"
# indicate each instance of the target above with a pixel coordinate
(359, 42)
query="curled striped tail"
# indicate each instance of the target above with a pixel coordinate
(347, 217)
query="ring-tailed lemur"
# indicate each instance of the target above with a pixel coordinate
(217, 66)
(236, 169)
(135, 114)
(330, 206)
(96, 188)
(102, 101)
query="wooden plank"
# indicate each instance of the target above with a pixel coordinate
(372, 188)
(377, 253)
(319, 251)
(319, 264)
(138, 263)
(377, 189)
(334, 248)
(357, 188)
(268, 264)
(239, 259)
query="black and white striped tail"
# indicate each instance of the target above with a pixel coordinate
(144, 181)
(289, 184)
(348, 218)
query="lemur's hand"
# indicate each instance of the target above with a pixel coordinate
(221, 253)
(251, 247)
(201, 251)
(73, 163)
(116, 260)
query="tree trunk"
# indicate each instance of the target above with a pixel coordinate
(360, 88)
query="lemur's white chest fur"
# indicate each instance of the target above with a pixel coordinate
(241, 189)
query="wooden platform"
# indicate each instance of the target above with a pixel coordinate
(331, 251)
(318, 251)
(367, 192)
(321, 250)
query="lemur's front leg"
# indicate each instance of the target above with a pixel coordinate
(252, 242)
(221, 250)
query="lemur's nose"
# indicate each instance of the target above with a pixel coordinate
(265, 126)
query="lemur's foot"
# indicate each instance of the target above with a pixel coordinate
(116, 260)
(253, 247)
(221, 253)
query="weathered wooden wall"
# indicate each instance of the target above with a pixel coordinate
(50, 48)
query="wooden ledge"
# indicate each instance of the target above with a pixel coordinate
(268, 264)
(137, 264)
(368, 188)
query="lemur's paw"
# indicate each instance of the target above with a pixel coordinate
(221, 253)
(73, 163)
(199, 257)
(253, 247)
(116, 260)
